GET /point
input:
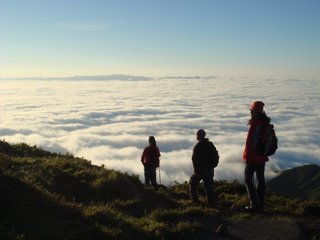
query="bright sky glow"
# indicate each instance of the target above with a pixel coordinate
(158, 38)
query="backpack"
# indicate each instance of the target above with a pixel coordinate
(268, 141)
(214, 156)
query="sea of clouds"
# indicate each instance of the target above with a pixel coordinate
(108, 122)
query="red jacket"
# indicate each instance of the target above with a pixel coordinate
(250, 154)
(150, 156)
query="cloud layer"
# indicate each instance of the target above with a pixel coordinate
(108, 122)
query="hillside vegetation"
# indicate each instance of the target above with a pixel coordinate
(53, 196)
(299, 182)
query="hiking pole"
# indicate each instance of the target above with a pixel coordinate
(159, 174)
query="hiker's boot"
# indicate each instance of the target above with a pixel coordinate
(155, 187)
(212, 202)
(253, 208)
(260, 206)
(195, 200)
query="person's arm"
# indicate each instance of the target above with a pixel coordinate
(158, 152)
(194, 159)
(252, 141)
(158, 156)
(143, 156)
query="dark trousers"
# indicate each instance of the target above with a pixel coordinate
(207, 177)
(150, 176)
(256, 196)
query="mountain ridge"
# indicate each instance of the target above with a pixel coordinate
(107, 77)
(122, 77)
(299, 182)
(53, 196)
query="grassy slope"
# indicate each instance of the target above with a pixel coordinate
(53, 196)
(300, 182)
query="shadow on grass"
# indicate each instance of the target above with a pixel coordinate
(33, 214)
(83, 184)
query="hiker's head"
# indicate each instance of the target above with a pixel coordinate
(152, 140)
(256, 108)
(201, 134)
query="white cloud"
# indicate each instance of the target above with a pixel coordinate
(108, 122)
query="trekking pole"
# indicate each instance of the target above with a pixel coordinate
(159, 174)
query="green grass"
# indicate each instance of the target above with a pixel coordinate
(59, 196)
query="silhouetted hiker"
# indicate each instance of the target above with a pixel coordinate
(254, 159)
(205, 158)
(150, 161)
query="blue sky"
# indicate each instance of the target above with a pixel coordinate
(160, 38)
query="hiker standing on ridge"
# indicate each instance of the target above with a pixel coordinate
(150, 161)
(253, 158)
(205, 158)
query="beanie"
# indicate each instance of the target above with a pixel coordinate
(257, 106)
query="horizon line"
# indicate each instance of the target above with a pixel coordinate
(114, 76)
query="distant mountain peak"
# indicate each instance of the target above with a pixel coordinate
(123, 77)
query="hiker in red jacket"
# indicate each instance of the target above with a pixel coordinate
(150, 161)
(255, 161)
(205, 158)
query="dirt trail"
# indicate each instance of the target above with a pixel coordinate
(286, 229)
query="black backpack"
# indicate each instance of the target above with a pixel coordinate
(214, 156)
(268, 141)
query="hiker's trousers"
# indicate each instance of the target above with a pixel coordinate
(256, 196)
(150, 176)
(207, 176)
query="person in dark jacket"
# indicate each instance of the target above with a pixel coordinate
(205, 158)
(150, 160)
(255, 161)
